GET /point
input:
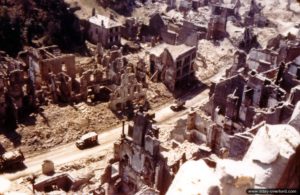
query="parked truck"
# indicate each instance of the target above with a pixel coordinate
(11, 159)
(87, 140)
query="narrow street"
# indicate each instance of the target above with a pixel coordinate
(69, 152)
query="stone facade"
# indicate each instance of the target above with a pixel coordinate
(104, 30)
(16, 92)
(139, 162)
(231, 9)
(128, 91)
(216, 27)
(173, 65)
(54, 77)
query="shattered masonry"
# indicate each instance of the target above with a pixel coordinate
(246, 135)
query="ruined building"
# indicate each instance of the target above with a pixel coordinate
(137, 163)
(216, 27)
(49, 68)
(249, 40)
(131, 28)
(16, 93)
(267, 164)
(177, 32)
(220, 14)
(250, 100)
(258, 88)
(239, 64)
(172, 64)
(262, 59)
(255, 17)
(288, 50)
(226, 9)
(54, 77)
(114, 64)
(279, 49)
(291, 75)
(127, 92)
(157, 24)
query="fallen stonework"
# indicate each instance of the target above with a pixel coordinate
(273, 155)
(149, 96)
(137, 162)
(268, 163)
(128, 91)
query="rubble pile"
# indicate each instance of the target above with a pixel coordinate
(231, 66)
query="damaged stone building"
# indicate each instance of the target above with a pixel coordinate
(131, 28)
(249, 40)
(255, 17)
(54, 77)
(244, 135)
(259, 89)
(137, 163)
(16, 93)
(127, 92)
(172, 64)
(125, 80)
(187, 27)
(262, 59)
(47, 60)
(51, 73)
(250, 100)
(220, 14)
(104, 30)
(291, 75)
(177, 32)
(216, 27)
(226, 9)
(279, 50)
(141, 161)
(267, 164)
(241, 104)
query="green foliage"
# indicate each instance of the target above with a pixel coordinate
(23, 21)
(10, 32)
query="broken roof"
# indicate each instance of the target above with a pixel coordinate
(174, 50)
(101, 20)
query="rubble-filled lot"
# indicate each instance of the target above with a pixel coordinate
(63, 124)
(57, 125)
(40, 132)
(88, 170)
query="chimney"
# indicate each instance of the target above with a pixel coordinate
(123, 129)
(111, 16)
(93, 12)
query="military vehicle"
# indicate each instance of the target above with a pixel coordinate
(87, 140)
(11, 159)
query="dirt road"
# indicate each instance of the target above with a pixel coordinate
(68, 153)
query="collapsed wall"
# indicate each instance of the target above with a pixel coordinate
(269, 163)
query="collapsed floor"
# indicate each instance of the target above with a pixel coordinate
(212, 57)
